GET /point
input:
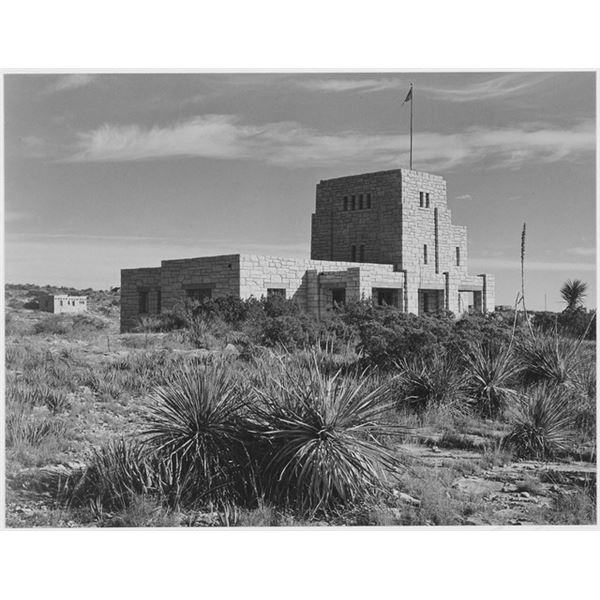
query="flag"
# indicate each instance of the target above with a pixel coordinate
(408, 96)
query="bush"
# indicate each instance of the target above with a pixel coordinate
(572, 323)
(542, 423)
(491, 374)
(322, 438)
(196, 422)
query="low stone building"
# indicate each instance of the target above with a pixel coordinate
(62, 303)
(385, 236)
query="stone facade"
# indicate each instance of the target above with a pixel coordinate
(385, 236)
(62, 303)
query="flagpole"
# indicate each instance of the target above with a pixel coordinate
(411, 123)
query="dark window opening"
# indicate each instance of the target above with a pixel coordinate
(360, 201)
(352, 253)
(425, 253)
(457, 256)
(338, 296)
(276, 293)
(361, 253)
(198, 294)
(345, 202)
(353, 202)
(421, 198)
(385, 297)
(158, 301)
(427, 200)
(368, 200)
(143, 303)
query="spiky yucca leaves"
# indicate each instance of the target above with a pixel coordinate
(551, 359)
(491, 371)
(542, 423)
(196, 424)
(117, 473)
(435, 382)
(322, 433)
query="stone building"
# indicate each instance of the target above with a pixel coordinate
(63, 303)
(385, 236)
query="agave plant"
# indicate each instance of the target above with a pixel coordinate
(491, 370)
(322, 433)
(542, 423)
(573, 293)
(196, 426)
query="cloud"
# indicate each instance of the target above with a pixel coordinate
(530, 265)
(70, 82)
(464, 197)
(292, 145)
(351, 85)
(498, 87)
(579, 251)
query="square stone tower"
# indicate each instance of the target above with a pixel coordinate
(400, 217)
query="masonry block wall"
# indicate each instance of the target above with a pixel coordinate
(386, 236)
(63, 303)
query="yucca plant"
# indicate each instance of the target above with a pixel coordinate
(322, 437)
(549, 359)
(542, 423)
(428, 383)
(196, 425)
(491, 371)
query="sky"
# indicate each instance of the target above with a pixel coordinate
(112, 171)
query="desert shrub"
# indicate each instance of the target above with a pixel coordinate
(53, 325)
(548, 359)
(542, 423)
(423, 384)
(573, 323)
(322, 433)
(117, 474)
(197, 423)
(162, 323)
(26, 426)
(83, 322)
(204, 332)
(491, 370)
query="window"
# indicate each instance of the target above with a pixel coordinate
(427, 200)
(421, 199)
(368, 200)
(199, 294)
(425, 253)
(345, 202)
(457, 256)
(276, 293)
(158, 301)
(143, 303)
(353, 253)
(353, 202)
(361, 253)
(360, 201)
(338, 296)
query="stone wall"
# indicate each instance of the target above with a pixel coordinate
(134, 282)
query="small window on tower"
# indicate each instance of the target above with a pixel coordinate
(360, 201)
(457, 256)
(421, 199)
(345, 202)
(361, 253)
(425, 254)
(143, 303)
(353, 202)
(368, 200)
(427, 200)
(353, 253)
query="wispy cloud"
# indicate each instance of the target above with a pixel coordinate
(579, 251)
(502, 86)
(70, 82)
(498, 87)
(530, 265)
(292, 145)
(464, 197)
(351, 84)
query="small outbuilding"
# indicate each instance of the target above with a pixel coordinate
(63, 303)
